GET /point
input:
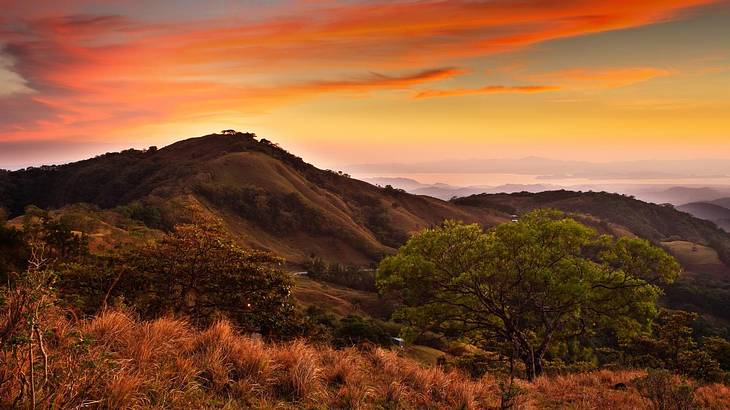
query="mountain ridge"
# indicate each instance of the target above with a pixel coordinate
(265, 195)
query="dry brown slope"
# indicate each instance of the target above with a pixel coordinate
(352, 210)
(265, 195)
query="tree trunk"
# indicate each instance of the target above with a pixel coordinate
(533, 365)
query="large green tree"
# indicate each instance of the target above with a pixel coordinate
(526, 285)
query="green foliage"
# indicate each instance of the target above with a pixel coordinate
(672, 345)
(719, 349)
(354, 330)
(144, 212)
(376, 217)
(543, 279)
(476, 364)
(350, 276)
(198, 272)
(701, 294)
(349, 330)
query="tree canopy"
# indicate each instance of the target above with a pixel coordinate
(199, 272)
(525, 285)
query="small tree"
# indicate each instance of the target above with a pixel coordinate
(527, 284)
(671, 345)
(199, 272)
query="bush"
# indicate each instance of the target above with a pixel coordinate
(665, 391)
(354, 330)
(349, 276)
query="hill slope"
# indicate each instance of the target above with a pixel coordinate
(614, 213)
(710, 211)
(701, 247)
(268, 197)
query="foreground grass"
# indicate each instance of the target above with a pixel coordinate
(115, 361)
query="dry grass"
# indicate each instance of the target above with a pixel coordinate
(116, 361)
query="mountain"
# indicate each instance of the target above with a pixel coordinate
(710, 211)
(723, 202)
(447, 191)
(680, 195)
(271, 199)
(266, 196)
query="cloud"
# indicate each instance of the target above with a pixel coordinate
(601, 77)
(99, 74)
(382, 81)
(489, 89)
(11, 83)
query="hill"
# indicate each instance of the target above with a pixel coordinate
(710, 211)
(268, 197)
(701, 247)
(273, 200)
(657, 223)
(723, 202)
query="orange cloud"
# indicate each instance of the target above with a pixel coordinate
(489, 89)
(601, 78)
(94, 75)
(380, 81)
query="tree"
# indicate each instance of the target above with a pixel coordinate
(525, 285)
(201, 273)
(672, 345)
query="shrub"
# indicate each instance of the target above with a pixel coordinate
(665, 391)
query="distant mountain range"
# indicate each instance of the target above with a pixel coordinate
(552, 169)
(446, 191)
(658, 194)
(717, 211)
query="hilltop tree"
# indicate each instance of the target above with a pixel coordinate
(526, 285)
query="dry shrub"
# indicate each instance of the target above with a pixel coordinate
(116, 361)
(591, 390)
(300, 375)
(666, 391)
(713, 397)
(124, 390)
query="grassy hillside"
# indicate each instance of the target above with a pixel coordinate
(165, 363)
(268, 197)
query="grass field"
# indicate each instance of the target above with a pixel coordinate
(338, 299)
(696, 259)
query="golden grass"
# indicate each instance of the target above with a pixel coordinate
(116, 361)
(695, 257)
(338, 299)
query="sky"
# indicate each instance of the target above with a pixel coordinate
(353, 82)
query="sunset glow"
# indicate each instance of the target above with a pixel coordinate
(345, 82)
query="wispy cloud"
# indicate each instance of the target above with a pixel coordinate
(488, 89)
(383, 81)
(94, 74)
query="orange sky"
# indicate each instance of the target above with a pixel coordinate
(367, 81)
